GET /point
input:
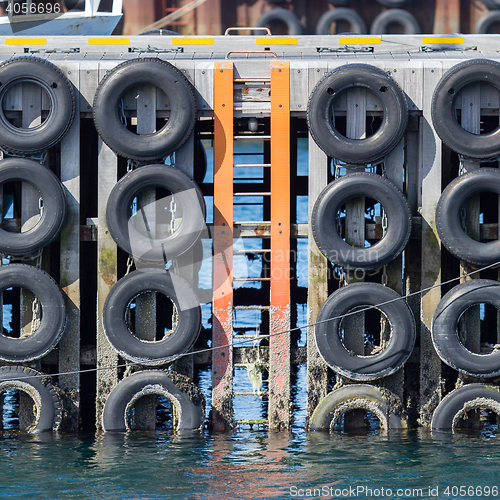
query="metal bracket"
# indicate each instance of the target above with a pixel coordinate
(74, 50)
(155, 50)
(441, 48)
(252, 52)
(237, 28)
(345, 48)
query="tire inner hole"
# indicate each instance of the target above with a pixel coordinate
(154, 213)
(476, 108)
(356, 113)
(365, 333)
(360, 221)
(151, 316)
(152, 412)
(21, 312)
(479, 216)
(144, 109)
(19, 411)
(22, 207)
(25, 105)
(477, 329)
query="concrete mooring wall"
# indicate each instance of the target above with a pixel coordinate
(261, 100)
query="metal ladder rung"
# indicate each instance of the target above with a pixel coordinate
(250, 337)
(257, 193)
(257, 308)
(251, 165)
(260, 393)
(251, 279)
(252, 137)
(261, 250)
(245, 80)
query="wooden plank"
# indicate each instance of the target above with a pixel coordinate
(317, 370)
(107, 378)
(279, 374)
(188, 264)
(355, 215)
(145, 304)
(469, 327)
(69, 345)
(447, 17)
(430, 156)
(298, 82)
(89, 80)
(222, 326)
(30, 213)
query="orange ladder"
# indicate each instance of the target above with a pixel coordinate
(223, 304)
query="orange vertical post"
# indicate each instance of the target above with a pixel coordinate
(279, 360)
(222, 328)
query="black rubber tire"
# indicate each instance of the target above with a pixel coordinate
(144, 71)
(357, 367)
(334, 16)
(448, 217)
(62, 101)
(491, 4)
(51, 300)
(54, 208)
(330, 200)
(151, 353)
(159, 33)
(321, 419)
(279, 14)
(188, 196)
(28, 380)
(486, 20)
(114, 418)
(394, 4)
(391, 129)
(443, 116)
(404, 18)
(454, 402)
(445, 327)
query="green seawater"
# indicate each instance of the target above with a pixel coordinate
(248, 465)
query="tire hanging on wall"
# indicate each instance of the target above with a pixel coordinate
(51, 301)
(177, 342)
(486, 21)
(445, 327)
(382, 22)
(142, 244)
(357, 25)
(461, 400)
(133, 73)
(336, 194)
(471, 145)
(354, 397)
(357, 151)
(448, 217)
(37, 386)
(52, 215)
(60, 93)
(189, 409)
(289, 18)
(360, 367)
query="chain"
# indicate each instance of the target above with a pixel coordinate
(385, 278)
(173, 209)
(123, 118)
(131, 165)
(384, 223)
(339, 225)
(384, 171)
(461, 165)
(40, 206)
(35, 310)
(463, 215)
(130, 262)
(175, 318)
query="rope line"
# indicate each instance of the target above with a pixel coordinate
(275, 334)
